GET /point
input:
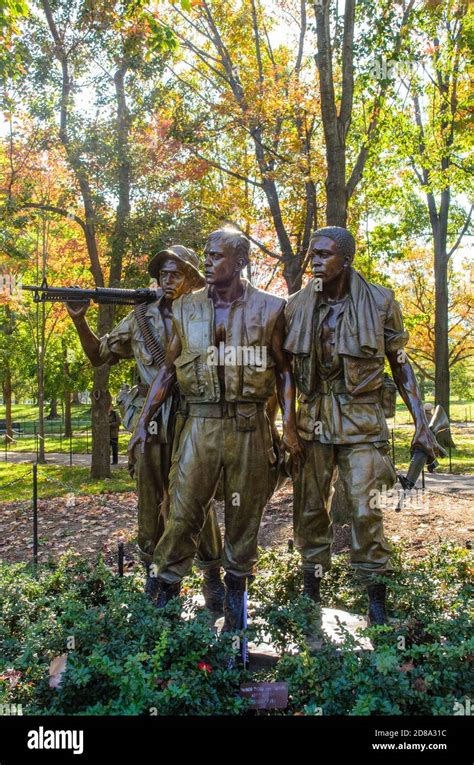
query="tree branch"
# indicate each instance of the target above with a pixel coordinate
(345, 111)
(218, 166)
(54, 209)
(464, 229)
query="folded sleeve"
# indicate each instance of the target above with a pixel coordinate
(117, 344)
(395, 334)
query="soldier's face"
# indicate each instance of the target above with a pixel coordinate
(327, 263)
(173, 279)
(220, 265)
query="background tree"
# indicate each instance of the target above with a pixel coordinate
(432, 135)
(419, 190)
(417, 291)
(248, 109)
(348, 97)
(100, 60)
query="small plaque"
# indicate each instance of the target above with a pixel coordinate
(266, 695)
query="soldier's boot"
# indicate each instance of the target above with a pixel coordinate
(311, 586)
(146, 566)
(234, 603)
(160, 592)
(377, 613)
(213, 589)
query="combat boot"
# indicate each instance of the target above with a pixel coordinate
(213, 589)
(234, 603)
(160, 592)
(146, 566)
(377, 613)
(311, 585)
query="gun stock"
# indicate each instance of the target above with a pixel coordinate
(439, 426)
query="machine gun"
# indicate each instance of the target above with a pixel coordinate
(439, 426)
(101, 295)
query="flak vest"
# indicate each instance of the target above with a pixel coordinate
(250, 326)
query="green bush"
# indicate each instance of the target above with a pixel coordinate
(422, 660)
(127, 658)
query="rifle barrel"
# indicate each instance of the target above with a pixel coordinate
(99, 295)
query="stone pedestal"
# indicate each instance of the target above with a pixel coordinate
(328, 625)
(334, 624)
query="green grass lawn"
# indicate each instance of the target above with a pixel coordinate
(462, 458)
(81, 414)
(16, 481)
(459, 411)
(29, 413)
(25, 441)
(81, 443)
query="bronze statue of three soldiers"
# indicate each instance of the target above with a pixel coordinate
(204, 420)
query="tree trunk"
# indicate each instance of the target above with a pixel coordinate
(439, 229)
(100, 461)
(292, 272)
(100, 467)
(336, 125)
(53, 410)
(119, 239)
(336, 198)
(441, 324)
(292, 264)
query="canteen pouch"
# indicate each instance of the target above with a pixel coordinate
(389, 396)
(246, 416)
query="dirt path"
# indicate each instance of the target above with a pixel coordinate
(93, 524)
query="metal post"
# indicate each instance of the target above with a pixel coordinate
(423, 479)
(35, 513)
(244, 647)
(87, 440)
(120, 558)
(36, 443)
(393, 446)
(70, 450)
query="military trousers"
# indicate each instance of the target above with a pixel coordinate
(365, 470)
(152, 474)
(207, 447)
